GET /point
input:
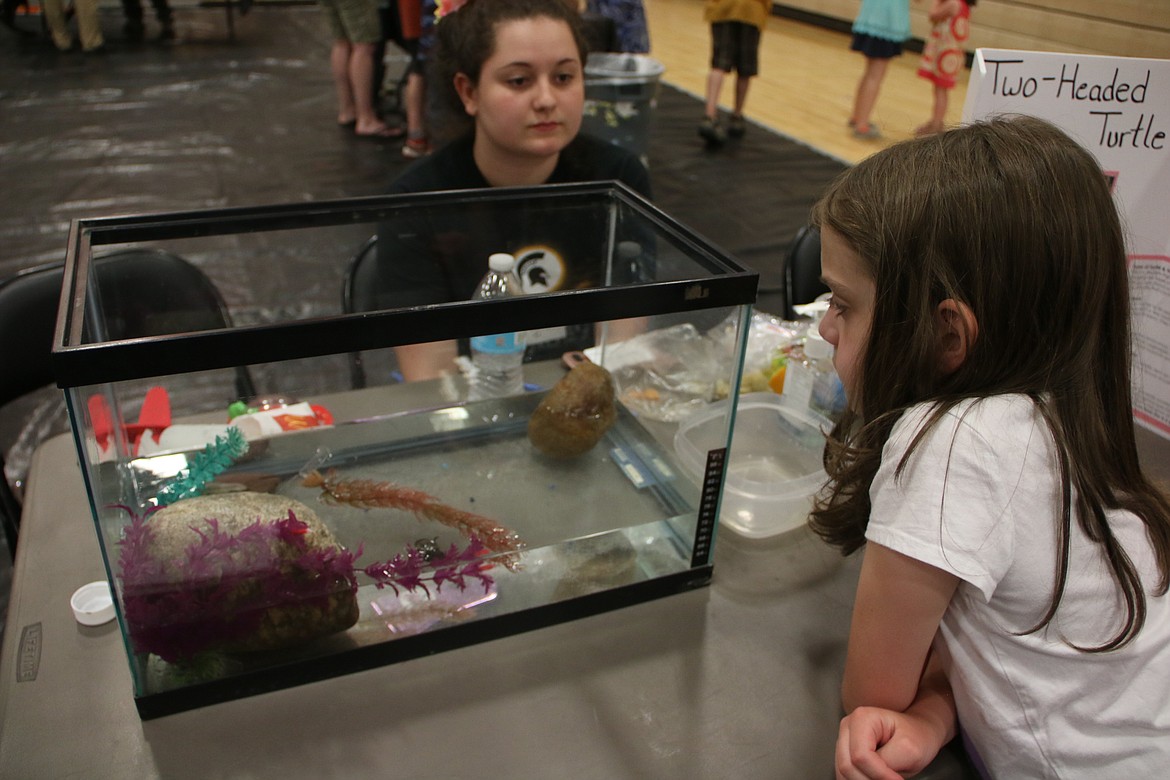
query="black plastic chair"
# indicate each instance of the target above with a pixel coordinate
(8, 9)
(802, 271)
(144, 292)
(359, 292)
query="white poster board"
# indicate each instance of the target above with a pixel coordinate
(1119, 109)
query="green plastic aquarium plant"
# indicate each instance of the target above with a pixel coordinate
(205, 466)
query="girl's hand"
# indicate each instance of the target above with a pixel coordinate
(880, 744)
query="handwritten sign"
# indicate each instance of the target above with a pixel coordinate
(1119, 109)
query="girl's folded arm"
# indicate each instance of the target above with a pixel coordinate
(900, 602)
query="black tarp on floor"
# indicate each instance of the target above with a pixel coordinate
(214, 122)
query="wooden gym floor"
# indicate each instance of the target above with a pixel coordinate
(806, 81)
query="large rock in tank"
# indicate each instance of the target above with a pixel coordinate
(575, 414)
(234, 573)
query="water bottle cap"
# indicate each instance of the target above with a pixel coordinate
(629, 250)
(501, 262)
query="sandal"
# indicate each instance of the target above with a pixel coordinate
(384, 132)
(866, 132)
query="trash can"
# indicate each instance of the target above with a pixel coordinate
(620, 94)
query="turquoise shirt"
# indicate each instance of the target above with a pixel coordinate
(889, 19)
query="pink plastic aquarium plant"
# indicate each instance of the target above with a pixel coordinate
(180, 609)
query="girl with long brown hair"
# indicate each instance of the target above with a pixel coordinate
(1014, 584)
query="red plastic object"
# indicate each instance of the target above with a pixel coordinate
(154, 417)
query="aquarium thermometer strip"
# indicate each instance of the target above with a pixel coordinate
(709, 506)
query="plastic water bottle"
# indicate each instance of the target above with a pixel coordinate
(498, 358)
(828, 394)
(812, 382)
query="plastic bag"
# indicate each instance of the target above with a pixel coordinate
(670, 374)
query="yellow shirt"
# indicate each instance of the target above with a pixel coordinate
(754, 12)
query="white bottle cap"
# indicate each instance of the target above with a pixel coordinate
(816, 347)
(92, 604)
(629, 250)
(501, 262)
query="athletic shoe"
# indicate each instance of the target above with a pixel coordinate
(736, 127)
(415, 148)
(713, 132)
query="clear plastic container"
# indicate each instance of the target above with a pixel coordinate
(621, 90)
(775, 466)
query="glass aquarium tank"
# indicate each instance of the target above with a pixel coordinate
(288, 479)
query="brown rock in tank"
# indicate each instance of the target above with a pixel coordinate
(575, 414)
(242, 575)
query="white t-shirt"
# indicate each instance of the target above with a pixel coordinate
(980, 498)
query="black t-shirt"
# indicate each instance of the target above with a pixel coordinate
(585, 159)
(438, 257)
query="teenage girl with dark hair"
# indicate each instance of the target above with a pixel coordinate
(515, 69)
(1014, 585)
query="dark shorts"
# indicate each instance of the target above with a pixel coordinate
(875, 48)
(355, 21)
(735, 46)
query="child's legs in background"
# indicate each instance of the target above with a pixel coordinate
(714, 87)
(742, 83)
(747, 62)
(89, 27)
(58, 27)
(361, 79)
(734, 47)
(867, 91)
(942, 97)
(722, 63)
(414, 99)
(339, 56)
(938, 114)
(414, 93)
